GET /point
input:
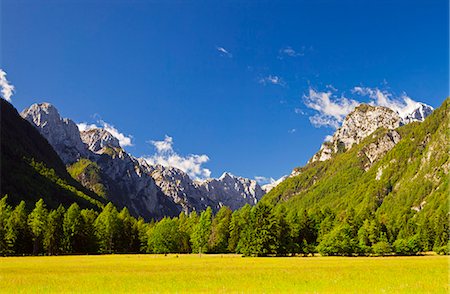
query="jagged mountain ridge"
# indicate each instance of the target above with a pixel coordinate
(146, 190)
(232, 191)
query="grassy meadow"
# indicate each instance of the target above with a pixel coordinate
(220, 274)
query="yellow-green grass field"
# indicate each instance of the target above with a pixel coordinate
(223, 274)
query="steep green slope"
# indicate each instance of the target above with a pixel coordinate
(89, 175)
(31, 169)
(406, 190)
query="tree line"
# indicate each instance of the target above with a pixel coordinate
(260, 230)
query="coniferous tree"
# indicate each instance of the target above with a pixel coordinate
(5, 211)
(283, 233)
(164, 237)
(18, 235)
(295, 237)
(128, 232)
(37, 222)
(201, 232)
(142, 228)
(185, 229)
(106, 228)
(263, 241)
(89, 234)
(54, 234)
(73, 229)
(235, 231)
(220, 232)
(246, 228)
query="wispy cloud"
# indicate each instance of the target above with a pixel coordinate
(291, 131)
(299, 111)
(264, 180)
(224, 52)
(190, 164)
(290, 52)
(331, 110)
(163, 146)
(86, 127)
(7, 88)
(402, 104)
(124, 140)
(272, 79)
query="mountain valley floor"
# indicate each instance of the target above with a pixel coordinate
(223, 274)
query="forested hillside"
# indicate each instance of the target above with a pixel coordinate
(356, 203)
(404, 193)
(31, 169)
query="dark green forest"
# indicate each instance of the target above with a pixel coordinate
(261, 230)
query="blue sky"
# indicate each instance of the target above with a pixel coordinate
(237, 81)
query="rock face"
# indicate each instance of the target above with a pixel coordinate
(62, 134)
(147, 190)
(359, 124)
(374, 151)
(365, 120)
(232, 191)
(97, 139)
(177, 185)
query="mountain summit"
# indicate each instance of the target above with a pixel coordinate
(362, 122)
(96, 159)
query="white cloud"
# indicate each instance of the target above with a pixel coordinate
(264, 180)
(320, 120)
(289, 51)
(7, 88)
(403, 105)
(299, 111)
(190, 164)
(124, 140)
(86, 127)
(328, 138)
(163, 146)
(291, 131)
(272, 79)
(331, 109)
(224, 52)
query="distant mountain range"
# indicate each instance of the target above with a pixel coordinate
(101, 170)
(96, 159)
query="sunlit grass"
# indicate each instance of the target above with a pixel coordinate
(227, 273)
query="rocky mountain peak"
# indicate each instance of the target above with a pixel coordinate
(147, 190)
(232, 191)
(418, 114)
(62, 133)
(226, 176)
(363, 121)
(97, 139)
(360, 123)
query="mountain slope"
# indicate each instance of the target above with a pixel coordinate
(31, 169)
(232, 191)
(95, 158)
(398, 176)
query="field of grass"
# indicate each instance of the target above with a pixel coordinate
(220, 274)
